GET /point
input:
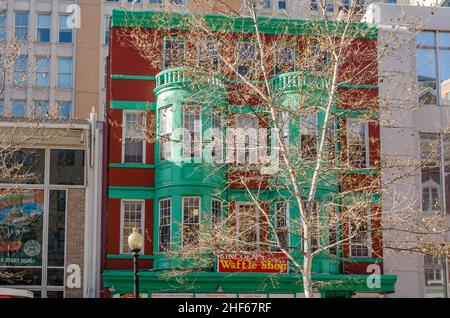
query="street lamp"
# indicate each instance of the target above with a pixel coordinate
(135, 242)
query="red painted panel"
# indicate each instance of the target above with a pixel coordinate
(132, 177)
(374, 144)
(113, 226)
(127, 264)
(132, 90)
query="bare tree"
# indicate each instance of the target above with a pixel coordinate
(305, 88)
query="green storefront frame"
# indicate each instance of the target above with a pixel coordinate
(340, 285)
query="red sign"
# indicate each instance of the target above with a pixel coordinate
(261, 263)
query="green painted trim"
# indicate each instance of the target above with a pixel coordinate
(216, 22)
(132, 105)
(358, 86)
(131, 165)
(363, 260)
(115, 192)
(363, 171)
(133, 77)
(128, 256)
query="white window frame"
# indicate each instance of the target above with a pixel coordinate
(287, 218)
(159, 224)
(192, 110)
(169, 131)
(124, 128)
(238, 204)
(435, 268)
(369, 236)
(122, 219)
(182, 214)
(366, 141)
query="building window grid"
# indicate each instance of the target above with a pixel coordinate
(192, 132)
(216, 212)
(358, 143)
(165, 133)
(282, 223)
(65, 72)
(132, 217)
(44, 27)
(308, 135)
(21, 25)
(174, 52)
(164, 233)
(134, 137)
(191, 220)
(360, 241)
(42, 72)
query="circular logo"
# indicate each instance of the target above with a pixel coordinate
(32, 248)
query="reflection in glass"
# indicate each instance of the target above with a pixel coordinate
(444, 75)
(426, 75)
(20, 276)
(67, 166)
(55, 277)
(56, 227)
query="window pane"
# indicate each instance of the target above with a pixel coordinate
(2, 25)
(308, 136)
(444, 73)
(174, 51)
(165, 215)
(357, 143)
(20, 71)
(191, 220)
(65, 72)
(43, 29)
(19, 108)
(21, 23)
(134, 139)
(2, 108)
(56, 227)
(248, 227)
(430, 172)
(132, 218)
(65, 32)
(64, 110)
(426, 75)
(42, 72)
(67, 166)
(21, 218)
(23, 276)
(425, 39)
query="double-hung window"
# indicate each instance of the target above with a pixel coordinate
(132, 216)
(44, 27)
(65, 31)
(248, 227)
(284, 60)
(19, 108)
(308, 135)
(360, 233)
(21, 26)
(433, 270)
(134, 137)
(165, 133)
(65, 72)
(2, 25)
(20, 68)
(174, 52)
(192, 132)
(191, 220)
(282, 223)
(165, 221)
(42, 72)
(64, 109)
(246, 58)
(41, 108)
(208, 55)
(358, 143)
(216, 211)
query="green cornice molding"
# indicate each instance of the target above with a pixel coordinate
(133, 77)
(121, 192)
(132, 165)
(180, 21)
(132, 105)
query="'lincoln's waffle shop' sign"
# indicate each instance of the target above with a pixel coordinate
(260, 263)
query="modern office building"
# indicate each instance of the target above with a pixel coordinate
(414, 92)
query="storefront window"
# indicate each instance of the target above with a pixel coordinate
(67, 166)
(24, 166)
(56, 227)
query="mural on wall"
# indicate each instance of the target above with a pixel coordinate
(21, 218)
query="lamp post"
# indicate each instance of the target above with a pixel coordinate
(135, 242)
